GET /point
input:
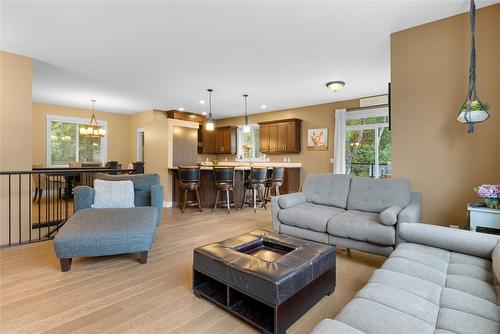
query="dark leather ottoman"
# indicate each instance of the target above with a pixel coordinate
(269, 280)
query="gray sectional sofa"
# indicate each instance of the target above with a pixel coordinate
(437, 281)
(352, 212)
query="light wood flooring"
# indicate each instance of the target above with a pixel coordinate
(117, 294)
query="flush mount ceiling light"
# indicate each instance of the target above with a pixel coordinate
(93, 129)
(209, 125)
(473, 110)
(263, 106)
(202, 102)
(335, 85)
(246, 127)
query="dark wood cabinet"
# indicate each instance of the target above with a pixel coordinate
(220, 141)
(279, 137)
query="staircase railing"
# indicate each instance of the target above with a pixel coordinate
(35, 204)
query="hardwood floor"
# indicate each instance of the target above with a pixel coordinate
(117, 294)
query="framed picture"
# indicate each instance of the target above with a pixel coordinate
(317, 139)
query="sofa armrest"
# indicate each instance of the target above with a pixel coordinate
(293, 199)
(330, 326)
(413, 212)
(157, 195)
(83, 197)
(462, 241)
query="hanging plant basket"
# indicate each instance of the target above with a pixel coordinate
(473, 112)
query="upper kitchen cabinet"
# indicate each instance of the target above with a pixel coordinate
(220, 141)
(278, 137)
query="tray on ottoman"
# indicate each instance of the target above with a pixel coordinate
(269, 280)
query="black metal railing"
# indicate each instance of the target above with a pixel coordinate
(35, 204)
(367, 169)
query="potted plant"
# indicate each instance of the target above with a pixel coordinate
(490, 193)
(473, 112)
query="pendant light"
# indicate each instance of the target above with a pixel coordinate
(246, 127)
(209, 125)
(93, 129)
(473, 110)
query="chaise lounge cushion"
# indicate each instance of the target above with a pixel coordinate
(376, 195)
(309, 216)
(361, 226)
(97, 232)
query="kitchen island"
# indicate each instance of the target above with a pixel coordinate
(291, 180)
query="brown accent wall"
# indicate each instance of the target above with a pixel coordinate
(429, 65)
(315, 116)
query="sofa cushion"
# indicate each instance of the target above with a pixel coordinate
(142, 185)
(390, 215)
(327, 189)
(361, 226)
(460, 322)
(113, 194)
(309, 216)
(96, 232)
(374, 318)
(376, 195)
(496, 260)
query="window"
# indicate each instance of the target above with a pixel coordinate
(65, 144)
(368, 143)
(248, 143)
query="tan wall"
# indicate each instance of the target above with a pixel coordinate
(137, 121)
(118, 135)
(316, 116)
(15, 137)
(429, 67)
(15, 119)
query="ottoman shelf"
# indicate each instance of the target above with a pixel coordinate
(266, 279)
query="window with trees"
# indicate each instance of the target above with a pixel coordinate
(65, 144)
(248, 143)
(368, 143)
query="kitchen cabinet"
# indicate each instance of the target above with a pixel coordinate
(280, 137)
(220, 141)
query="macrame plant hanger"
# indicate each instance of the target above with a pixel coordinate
(473, 110)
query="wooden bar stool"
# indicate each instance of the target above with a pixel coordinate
(189, 180)
(224, 181)
(255, 183)
(273, 183)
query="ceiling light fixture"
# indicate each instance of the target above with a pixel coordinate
(202, 102)
(246, 127)
(263, 106)
(335, 85)
(93, 129)
(204, 113)
(181, 109)
(209, 125)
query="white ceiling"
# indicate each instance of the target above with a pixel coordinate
(137, 55)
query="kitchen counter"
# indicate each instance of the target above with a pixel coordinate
(291, 180)
(248, 165)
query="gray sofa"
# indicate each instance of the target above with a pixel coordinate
(110, 231)
(352, 212)
(439, 280)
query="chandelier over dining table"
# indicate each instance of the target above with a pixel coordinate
(93, 129)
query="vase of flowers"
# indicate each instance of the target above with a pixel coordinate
(247, 148)
(490, 193)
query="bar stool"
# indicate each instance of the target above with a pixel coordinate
(224, 181)
(274, 182)
(255, 183)
(189, 180)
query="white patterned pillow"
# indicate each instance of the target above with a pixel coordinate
(113, 194)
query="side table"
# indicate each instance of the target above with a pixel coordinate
(483, 217)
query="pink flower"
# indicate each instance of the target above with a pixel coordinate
(488, 191)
